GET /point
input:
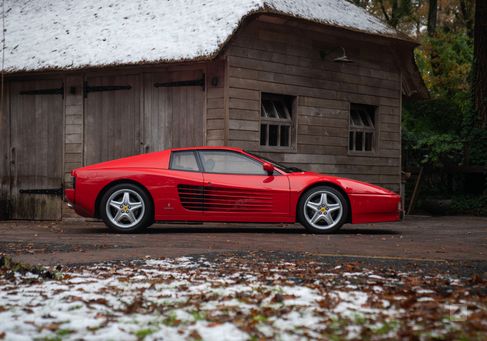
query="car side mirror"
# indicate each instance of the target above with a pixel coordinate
(268, 167)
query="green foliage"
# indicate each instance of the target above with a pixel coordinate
(9, 267)
(469, 205)
(442, 149)
(441, 132)
(445, 61)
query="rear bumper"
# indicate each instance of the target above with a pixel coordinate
(69, 197)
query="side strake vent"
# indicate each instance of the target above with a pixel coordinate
(224, 199)
(191, 197)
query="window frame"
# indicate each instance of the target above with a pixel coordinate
(200, 161)
(291, 122)
(195, 154)
(364, 130)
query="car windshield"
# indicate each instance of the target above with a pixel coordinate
(277, 164)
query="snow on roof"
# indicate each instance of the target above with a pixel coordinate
(70, 34)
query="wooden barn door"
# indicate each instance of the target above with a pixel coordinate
(36, 111)
(174, 109)
(112, 117)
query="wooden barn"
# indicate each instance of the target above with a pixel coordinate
(313, 83)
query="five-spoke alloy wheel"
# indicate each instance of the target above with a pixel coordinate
(126, 208)
(322, 209)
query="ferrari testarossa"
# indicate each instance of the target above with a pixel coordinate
(222, 184)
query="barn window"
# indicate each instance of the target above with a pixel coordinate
(362, 128)
(276, 120)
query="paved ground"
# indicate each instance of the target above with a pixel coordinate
(459, 239)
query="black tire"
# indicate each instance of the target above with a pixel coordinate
(335, 197)
(146, 216)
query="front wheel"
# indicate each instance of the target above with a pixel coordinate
(126, 208)
(322, 209)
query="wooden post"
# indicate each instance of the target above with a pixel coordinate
(413, 196)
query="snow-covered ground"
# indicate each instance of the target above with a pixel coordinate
(235, 298)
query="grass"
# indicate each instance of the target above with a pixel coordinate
(143, 333)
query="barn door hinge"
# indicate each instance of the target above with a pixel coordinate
(194, 82)
(53, 91)
(99, 88)
(51, 191)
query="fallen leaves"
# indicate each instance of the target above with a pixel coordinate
(242, 297)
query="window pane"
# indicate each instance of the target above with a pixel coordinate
(282, 111)
(368, 141)
(350, 140)
(229, 163)
(355, 119)
(365, 116)
(372, 116)
(359, 140)
(185, 161)
(263, 134)
(273, 132)
(263, 111)
(270, 111)
(285, 136)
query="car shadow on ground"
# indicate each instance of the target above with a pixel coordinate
(200, 229)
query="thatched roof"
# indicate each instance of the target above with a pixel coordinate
(72, 34)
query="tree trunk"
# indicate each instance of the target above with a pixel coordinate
(432, 16)
(479, 84)
(466, 9)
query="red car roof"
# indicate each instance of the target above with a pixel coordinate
(236, 149)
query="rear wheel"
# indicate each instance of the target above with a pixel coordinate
(322, 209)
(126, 208)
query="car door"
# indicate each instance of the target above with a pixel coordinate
(182, 197)
(237, 189)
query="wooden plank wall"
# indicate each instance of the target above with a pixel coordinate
(215, 104)
(36, 134)
(4, 154)
(287, 59)
(73, 131)
(168, 111)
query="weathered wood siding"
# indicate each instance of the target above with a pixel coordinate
(173, 116)
(288, 59)
(112, 119)
(216, 104)
(36, 149)
(73, 131)
(5, 155)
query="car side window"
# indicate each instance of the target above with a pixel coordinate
(224, 162)
(184, 161)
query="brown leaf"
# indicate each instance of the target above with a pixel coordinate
(52, 326)
(407, 303)
(195, 335)
(476, 279)
(135, 305)
(99, 301)
(278, 298)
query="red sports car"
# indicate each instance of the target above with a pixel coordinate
(210, 184)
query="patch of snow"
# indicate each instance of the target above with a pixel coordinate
(223, 332)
